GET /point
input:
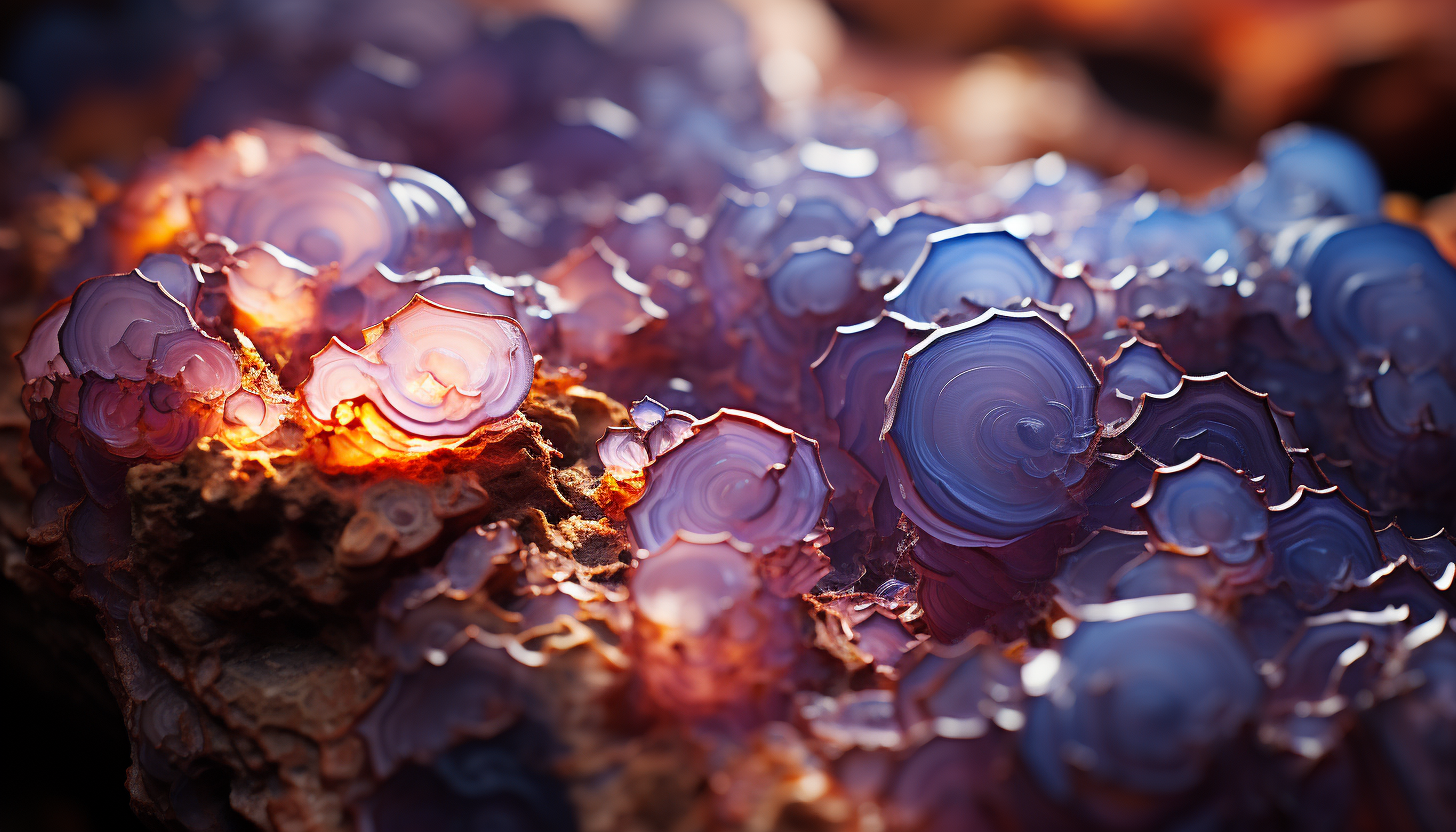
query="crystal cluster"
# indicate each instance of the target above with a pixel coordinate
(947, 502)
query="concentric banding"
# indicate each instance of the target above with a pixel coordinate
(326, 207)
(596, 303)
(319, 209)
(434, 372)
(181, 279)
(1180, 238)
(816, 279)
(1119, 481)
(808, 219)
(1316, 657)
(1203, 506)
(1138, 367)
(982, 425)
(1321, 544)
(111, 414)
(407, 509)
(1089, 573)
(203, 366)
(855, 374)
(738, 474)
(1219, 418)
(426, 711)
(967, 269)
(249, 410)
(1144, 704)
(688, 582)
(1074, 303)
(272, 289)
(888, 255)
(1381, 291)
(1309, 172)
(41, 355)
(1415, 402)
(472, 293)
(136, 420)
(669, 433)
(1432, 555)
(622, 451)
(114, 323)
(440, 220)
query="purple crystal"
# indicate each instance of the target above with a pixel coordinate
(985, 426)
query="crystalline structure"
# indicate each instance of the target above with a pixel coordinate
(431, 371)
(966, 270)
(1204, 507)
(736, 474)
(1220, 419)
(1307, 172)
(1143, 705)
(295, 191)
(985, 426)
(1138, 367)
(707, 638)
(655, 430)
(1321, 543)
(1023, 499)
(815, 278)
(889, 249)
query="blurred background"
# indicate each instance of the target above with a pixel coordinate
(1174, 92)
(1179, 91)
(1182, 87)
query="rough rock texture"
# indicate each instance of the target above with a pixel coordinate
(234, 587)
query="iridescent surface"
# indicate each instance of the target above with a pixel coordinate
(965, 270)
(431, 370)
(856, 373)
(998, 520)
(1144, 704)
(984, 426)
(736, 474)
(1222, 420)
(326, 207)
(1203, 506)
(1138, 367)
(1321, 543)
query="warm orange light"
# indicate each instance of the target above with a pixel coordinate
(426, 387)
(164, 214)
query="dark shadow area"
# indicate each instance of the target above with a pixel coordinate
(1155, 89)
(64, 757)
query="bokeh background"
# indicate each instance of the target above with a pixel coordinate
(1175, 92)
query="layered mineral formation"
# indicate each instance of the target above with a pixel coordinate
(1021, 500)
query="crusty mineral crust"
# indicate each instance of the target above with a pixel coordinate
(267, 641)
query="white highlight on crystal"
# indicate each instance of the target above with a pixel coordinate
(1037, 674)
(1064, 627)
(1443, 583)
(1049, 169)
(1390, 615)
(849, 162)
(1134, 607)
(1352, 654)
(1008, 719)
(1123, 278)
(788, 73)
(959, 729)
(386, 66)
(602, 114)
(1425, 632)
